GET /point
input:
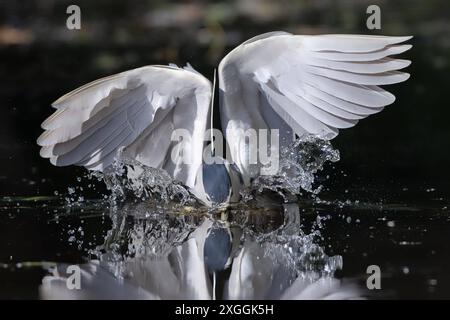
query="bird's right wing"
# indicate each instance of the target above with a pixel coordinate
(136, 111)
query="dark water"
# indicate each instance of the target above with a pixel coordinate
(385, 203)
(404, 233)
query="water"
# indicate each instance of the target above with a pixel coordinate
(290, 237)
(404, 240)
(148, 235)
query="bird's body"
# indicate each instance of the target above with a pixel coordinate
(296, 84)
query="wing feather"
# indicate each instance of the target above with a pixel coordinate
(314, 84)
(134, 111)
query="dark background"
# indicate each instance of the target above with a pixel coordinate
(395, 162)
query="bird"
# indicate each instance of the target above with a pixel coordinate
(291, 84)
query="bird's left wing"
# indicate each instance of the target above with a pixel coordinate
(137, 111)
(304, 85)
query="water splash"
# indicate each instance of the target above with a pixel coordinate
(299, 164)
(148, 229)
(129, 178)
(295, 248)
(145, 235)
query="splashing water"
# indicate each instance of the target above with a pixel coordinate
(299, 164)
(141, 234)
(127, 177)
(294, 248)
(145, 229)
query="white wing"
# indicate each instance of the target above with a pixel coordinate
(136, 110)
(304, 85)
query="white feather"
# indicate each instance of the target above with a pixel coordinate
(136, 110)
(315, 84)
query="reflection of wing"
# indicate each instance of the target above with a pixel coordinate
(96, 282)
(180, 275)
(255, 275)
(138, 109)
(326, 288)
(305, 85)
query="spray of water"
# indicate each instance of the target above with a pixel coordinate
(129, 178)
(299, 165)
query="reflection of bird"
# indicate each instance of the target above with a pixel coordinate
(297, 84)
(184, 272)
